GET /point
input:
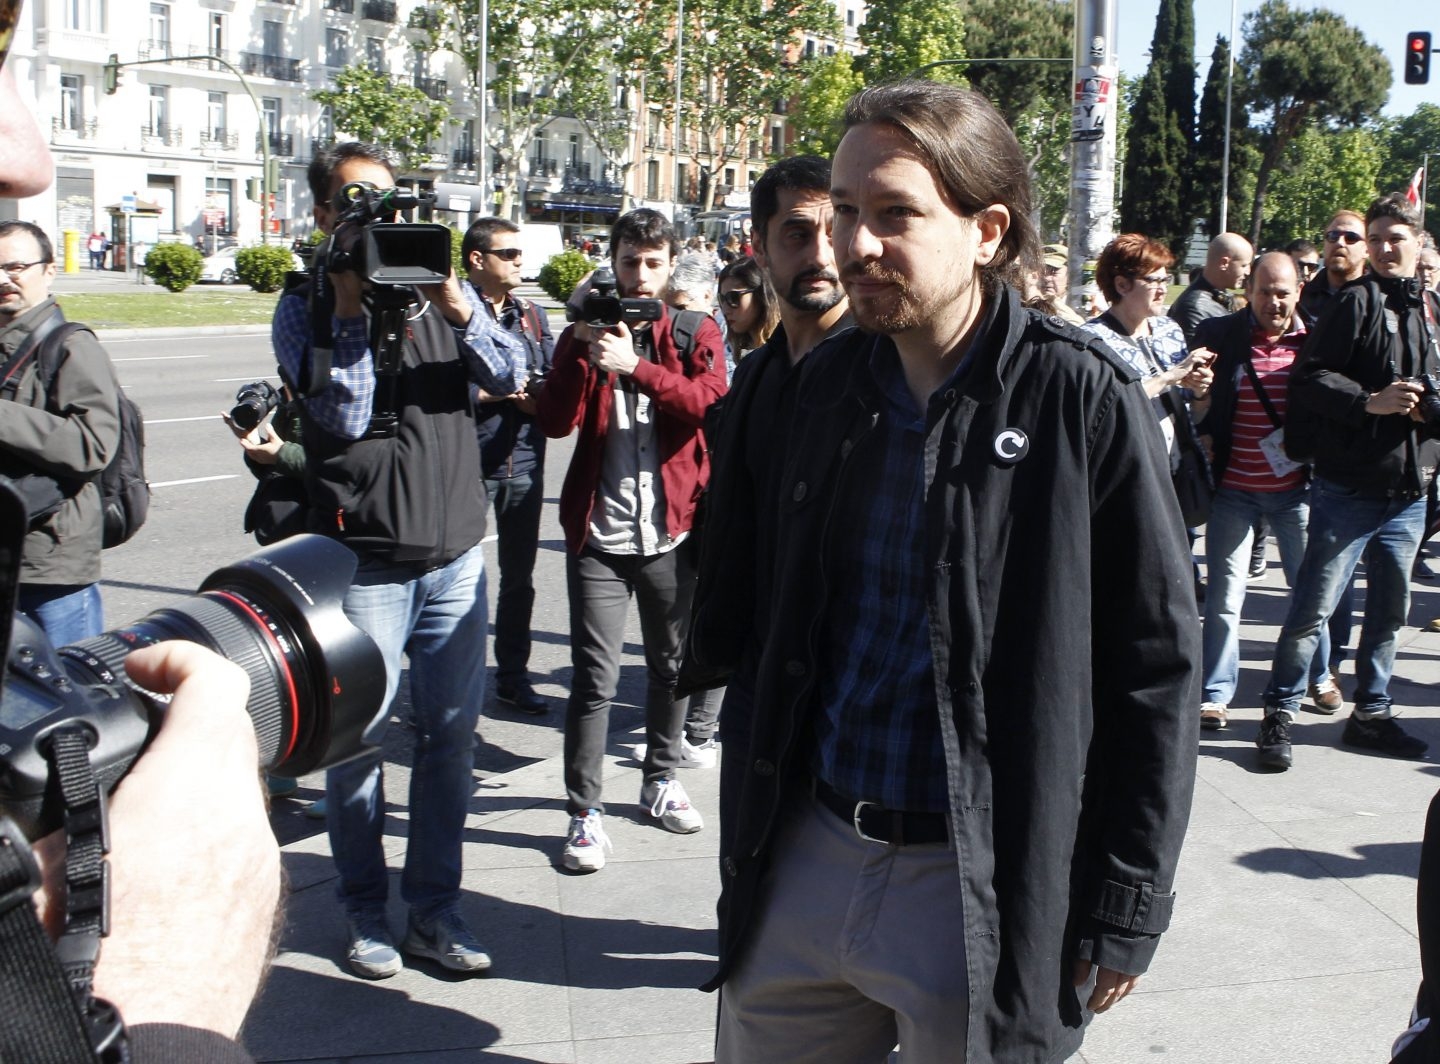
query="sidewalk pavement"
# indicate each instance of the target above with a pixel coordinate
(1294, 938)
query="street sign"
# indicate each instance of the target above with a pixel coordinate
(127, 203)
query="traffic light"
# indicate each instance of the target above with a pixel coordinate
(254, 189)
(272, 175)
(1417, 59)
(112, 74)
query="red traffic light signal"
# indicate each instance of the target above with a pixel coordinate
(1417, 58)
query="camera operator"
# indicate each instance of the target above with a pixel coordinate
(638, 396)
(410, 503)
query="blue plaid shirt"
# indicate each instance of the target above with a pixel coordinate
(878, 730)
(493, 358)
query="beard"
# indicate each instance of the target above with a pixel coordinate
(893, 312)
(814, 302)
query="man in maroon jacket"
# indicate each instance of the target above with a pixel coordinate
(638, 396)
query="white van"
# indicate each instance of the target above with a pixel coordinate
(540, 244)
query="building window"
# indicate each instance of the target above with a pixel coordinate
(160, 28)
(160, 189)
(810, 49)
(71, 115)
(375, 54)
(217, 34)
(216, 111)
(777, 139)
(270, 38)
(682, 178)
(850, 17)
(730, 176)
(219, 205)
(87, 16)
(574, 149)
(325, 128)
(159, 110)
(652, 179)
(336, 48)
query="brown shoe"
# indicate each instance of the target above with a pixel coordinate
(1326, 696)
(1213, 716)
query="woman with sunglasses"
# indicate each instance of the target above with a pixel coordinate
(749, 305)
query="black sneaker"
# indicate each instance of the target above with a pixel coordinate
(1274, 741)
(1382, 734)
(521, 697)
(1259, 568)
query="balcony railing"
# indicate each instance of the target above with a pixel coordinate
(156, 49)
(163, 135)
(278, 67)
(379, 10)
(221, 139)
(282, 144)
(435, 88)
(544, 167)
(319, 144)
(462, 159)
(656, 141)
(345, 6)
(83, 129)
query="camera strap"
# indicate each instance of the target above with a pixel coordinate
(50, 1014)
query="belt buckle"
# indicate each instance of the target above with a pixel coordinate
(855, 819)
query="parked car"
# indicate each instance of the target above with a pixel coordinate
(219, 268)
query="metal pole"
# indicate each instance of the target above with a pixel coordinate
(1425, 182)
(679, 73)
(482, 164)
(1225, 165)
(1092, 139)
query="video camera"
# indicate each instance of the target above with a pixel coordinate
(398, 253)
(602, 308)
(317, 682)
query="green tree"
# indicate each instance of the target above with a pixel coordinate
(372, 107)
(1305, 69)
(901, 36)
(1320, 172)
(1406, 141)
(1207, 163)
(546, 58)
(1155, 152)
(734, 73)
(816, 110)
(1028, 29)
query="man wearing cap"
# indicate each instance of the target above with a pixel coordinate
(1055, 281)
(1227, 264)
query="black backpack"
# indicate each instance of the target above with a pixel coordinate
(124, 492)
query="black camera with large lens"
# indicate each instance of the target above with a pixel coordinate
(253, 403)
(602, 308)
(389, 252)
(317, 683)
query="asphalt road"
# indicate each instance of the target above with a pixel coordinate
(200, 490)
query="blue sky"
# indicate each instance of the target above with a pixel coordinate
(1384, 22)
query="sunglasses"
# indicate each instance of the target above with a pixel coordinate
(1307, 268)
(1337, 236)
(508, 254)
(732, 298)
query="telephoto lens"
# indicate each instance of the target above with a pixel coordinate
(252, 403)
(317, 683)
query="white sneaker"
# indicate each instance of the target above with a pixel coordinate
(1214, 716)
(667, 801)
(702, 756)
(586, 843)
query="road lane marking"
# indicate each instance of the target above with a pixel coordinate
(156, 358)
(192, 480)
(174, 420)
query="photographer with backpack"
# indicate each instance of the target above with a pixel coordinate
(60, 431)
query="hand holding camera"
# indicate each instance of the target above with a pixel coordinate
(1398, 397)
(613, 350)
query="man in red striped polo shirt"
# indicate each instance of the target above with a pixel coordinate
(1245, 417)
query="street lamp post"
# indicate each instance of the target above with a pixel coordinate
(679, 74)
(1425, 158)
(1225, 163)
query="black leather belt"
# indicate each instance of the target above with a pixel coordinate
(875, 823)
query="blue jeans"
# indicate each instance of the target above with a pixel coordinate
(1343, 525)
(67, 613)
(1228, 536)
(439, 619)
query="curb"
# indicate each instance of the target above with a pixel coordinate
(177, 330)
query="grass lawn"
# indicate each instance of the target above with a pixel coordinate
(197, 305)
